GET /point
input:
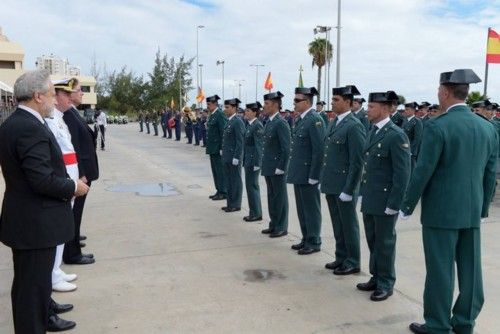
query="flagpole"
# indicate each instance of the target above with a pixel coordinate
(486, 66)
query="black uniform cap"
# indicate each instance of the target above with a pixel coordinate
(424, 105)
(360, 100)
(273, 96)
(321, 103)
(232, 102)
(413, 105)
(306, 91)
(459, 77)
(480, 104)
(383, 97)
(213, 99)
(346, 91)
(254, 106)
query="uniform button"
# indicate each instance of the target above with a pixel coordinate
(385, 189)
(367, 153)
(324, 164)
(305, 163)
(325, 155)
(378, 155)
(364, 181)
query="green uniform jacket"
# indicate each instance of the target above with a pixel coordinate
(363, 118)
(343, 158)
(455, 174)
(398, 119)
(232, 140)
(276, 146)
(496, 121)
(387, 170)
(215, 130)
(325, 118)
(413, 129)
(306, 153)
(253, 144)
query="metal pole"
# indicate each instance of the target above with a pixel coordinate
(486, 66)
(328, 80)
(197, 61)
(325, 66)
(223, 80)
(180, 89)
(256, 80)
(337, 81)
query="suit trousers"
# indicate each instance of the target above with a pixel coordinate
(31, 289)
(253, 191)
(234, 185)
(345, 230)
(72, 248)
(218, 173)
(444, 249)
(308, 201)
(381, 238)
(277, 202)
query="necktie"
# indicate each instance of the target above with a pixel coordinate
(373, 132)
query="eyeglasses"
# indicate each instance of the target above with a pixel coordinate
(299, 100)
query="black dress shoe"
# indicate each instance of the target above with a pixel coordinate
(379, 295)
(298, 246)
(267, 231)
(333, 265)
(346, 270)
(59, 308)
(82, 244)
(233, 209)
(418, 328)
(307, 251)
(253, 219)
(212, 196)
(82, 237)
(218, 197)
(90, 256)
(80, 260)
(57, 324)
(277, 234)
(371, 285)
(224, 208)
(246, 218)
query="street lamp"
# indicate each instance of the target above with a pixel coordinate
(238, 82)
(326, 30)
(197, 57)
(256, 77)
(201, 75)
(221, 62)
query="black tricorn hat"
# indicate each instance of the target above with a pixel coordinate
(273, 96)
(383, 97)
(232, 102)
(360, 100)
(413, 105)
(424, 105)
(213, 99)
(321, 103)
(459, 77)
(306, 91)
(254, 106)
(479, 104)
(347, 90)
(434, 107)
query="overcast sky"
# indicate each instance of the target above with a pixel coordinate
(401, 45)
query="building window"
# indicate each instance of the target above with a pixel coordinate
(10, 65)
(86, 89)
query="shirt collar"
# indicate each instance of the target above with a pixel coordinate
(383, 122)
(273, 116)
(356, 112)
(342, 116)
(32, 112)
(253, 120)
(304, 114)
(456, 105)
(411, 117)
(232, 116)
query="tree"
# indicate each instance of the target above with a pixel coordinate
(401, 99)
(319, 56)
(474, 97)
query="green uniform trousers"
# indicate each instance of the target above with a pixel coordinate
(444, 247)
(218, 174)
(253, 191)
(381, 238)
(308, 201)
(234, 185)
(277, 202)
(345, 230)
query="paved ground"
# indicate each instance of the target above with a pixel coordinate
(178, 264)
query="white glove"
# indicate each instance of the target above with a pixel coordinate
(390, 212)
(256, 168)
(220, 153)
(403, 216)
(360, 198)
(279, 171)
(235, 162)
(345, 198)
(312, 182)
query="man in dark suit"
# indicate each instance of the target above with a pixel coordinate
(36, 210)
(84, 142)
(455, 180)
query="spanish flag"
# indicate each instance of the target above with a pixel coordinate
(269, 82)
(201, 95)
(493, 47)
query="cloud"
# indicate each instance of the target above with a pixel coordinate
(386, 44)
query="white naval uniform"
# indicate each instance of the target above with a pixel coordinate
(63, 137)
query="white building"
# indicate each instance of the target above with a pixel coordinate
(57, 65)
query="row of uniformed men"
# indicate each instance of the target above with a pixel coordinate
(350, 156)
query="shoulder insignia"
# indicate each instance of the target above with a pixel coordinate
(319, 124)
(405, 145)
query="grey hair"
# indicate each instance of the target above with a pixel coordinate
(30, 83)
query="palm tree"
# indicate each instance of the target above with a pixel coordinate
(317, 51)
(474, 97)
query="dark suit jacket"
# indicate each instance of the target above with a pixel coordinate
(36, 209)
(84, 142)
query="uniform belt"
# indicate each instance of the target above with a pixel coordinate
(70, 159)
